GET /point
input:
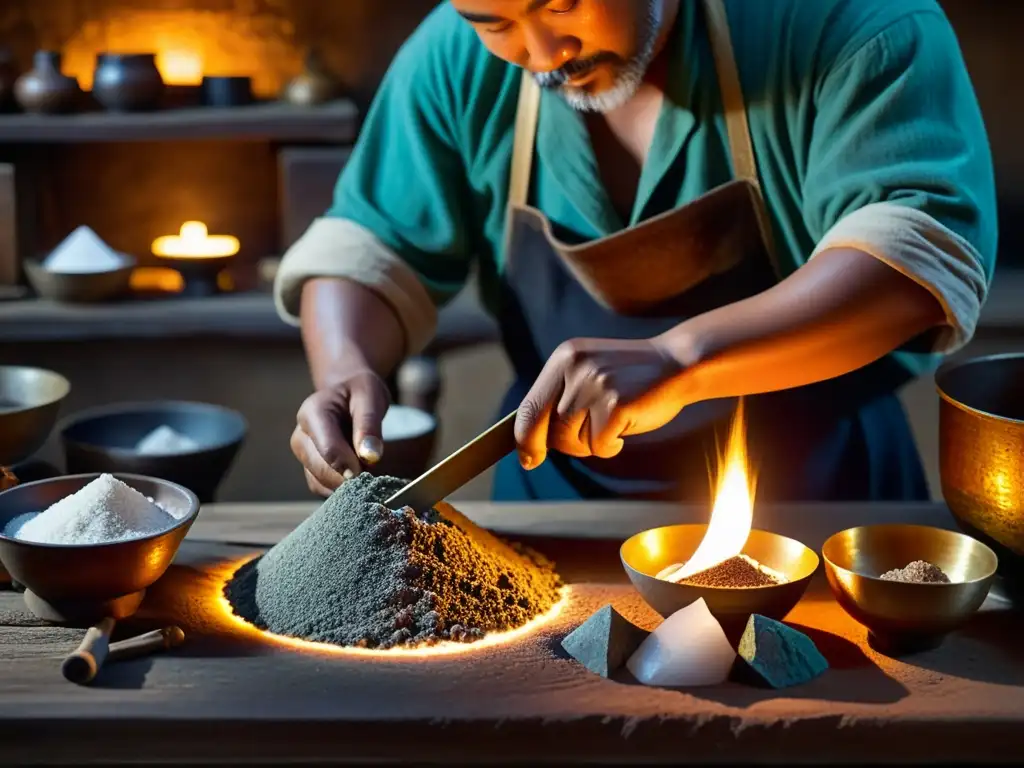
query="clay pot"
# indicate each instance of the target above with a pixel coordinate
(45, 89)
(8, 77)
(313, 86)
(127, 82)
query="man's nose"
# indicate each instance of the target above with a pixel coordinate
(549, 51)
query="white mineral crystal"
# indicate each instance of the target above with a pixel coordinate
(689, 649)
(163, 441)
(83, 252)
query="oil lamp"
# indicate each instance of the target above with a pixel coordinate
(197, 255)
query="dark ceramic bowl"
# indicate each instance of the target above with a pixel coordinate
(103, 440)
(79, 585)
(79, 287)
(409, 439)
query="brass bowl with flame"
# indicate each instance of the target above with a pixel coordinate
(906, 617)
(647, 553)
(981, 454)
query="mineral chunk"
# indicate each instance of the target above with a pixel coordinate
(688, 649)
(604, 641)
(778, 655)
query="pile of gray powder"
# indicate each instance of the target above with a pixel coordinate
(356, 573)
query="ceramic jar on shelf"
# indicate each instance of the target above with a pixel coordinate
(45, 89)
(127, 82)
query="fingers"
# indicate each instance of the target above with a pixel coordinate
(321, 419)
(535, 412)
(368, 402)
(316, 486)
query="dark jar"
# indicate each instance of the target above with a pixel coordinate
(127, 82)
(45, 89)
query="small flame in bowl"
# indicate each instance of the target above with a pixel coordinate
(733, 512)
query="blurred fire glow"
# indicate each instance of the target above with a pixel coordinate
(240, 627)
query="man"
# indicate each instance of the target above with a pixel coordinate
(681, 202)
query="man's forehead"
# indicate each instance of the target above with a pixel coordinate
(496, 10)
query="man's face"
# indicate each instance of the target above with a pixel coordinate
(594, 52)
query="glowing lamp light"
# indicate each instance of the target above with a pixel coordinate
(228, 621)
(178, 67)
(193, 241)
(733, 512)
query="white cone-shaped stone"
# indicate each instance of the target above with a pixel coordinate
(687, 650)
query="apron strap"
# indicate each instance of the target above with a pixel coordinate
(741, 146)
(527, 114)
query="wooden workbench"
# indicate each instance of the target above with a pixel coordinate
(231, 696)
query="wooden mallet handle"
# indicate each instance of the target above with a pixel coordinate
(143, 645)
(82, 666)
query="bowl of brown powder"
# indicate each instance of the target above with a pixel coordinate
(909, 585)
(768, 577)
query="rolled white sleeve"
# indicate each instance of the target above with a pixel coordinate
(344, 249)
(930, 254)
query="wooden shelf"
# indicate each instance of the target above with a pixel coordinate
(335, 122)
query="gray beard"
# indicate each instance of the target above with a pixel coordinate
(627, 81)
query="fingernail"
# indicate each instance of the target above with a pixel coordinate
(371, 449)
(348, 474)
(525, 460)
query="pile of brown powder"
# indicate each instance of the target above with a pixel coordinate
(356, 573)
(919, 572)
(738, 571)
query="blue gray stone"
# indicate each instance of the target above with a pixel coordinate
(778, 655)
(604, 642)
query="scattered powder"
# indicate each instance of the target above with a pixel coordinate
(164, 441)
(356, 573)
(738, 571)
(103, 511)
(919, 571)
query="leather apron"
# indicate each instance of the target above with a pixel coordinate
(847, 439)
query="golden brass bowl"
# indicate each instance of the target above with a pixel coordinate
(647, 553)
(981, 453)
(906, 617)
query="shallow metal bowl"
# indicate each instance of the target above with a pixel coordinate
(907, 617)
(647, 553)
(79, 585)
(981, 453)
(30, 400)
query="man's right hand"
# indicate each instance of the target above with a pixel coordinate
(352, 406)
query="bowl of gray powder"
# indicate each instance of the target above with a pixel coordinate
(193, 444)
(88, 546)
(909, 585)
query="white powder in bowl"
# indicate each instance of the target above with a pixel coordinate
(104, 511)
(163, 441)
(404, 423)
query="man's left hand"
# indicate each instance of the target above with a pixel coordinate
(594, 392)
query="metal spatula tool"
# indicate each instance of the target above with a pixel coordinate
(458, 469)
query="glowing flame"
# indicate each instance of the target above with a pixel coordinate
(193, 241)
(733, 511)
(236, 625)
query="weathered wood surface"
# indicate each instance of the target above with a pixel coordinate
(230, 695)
